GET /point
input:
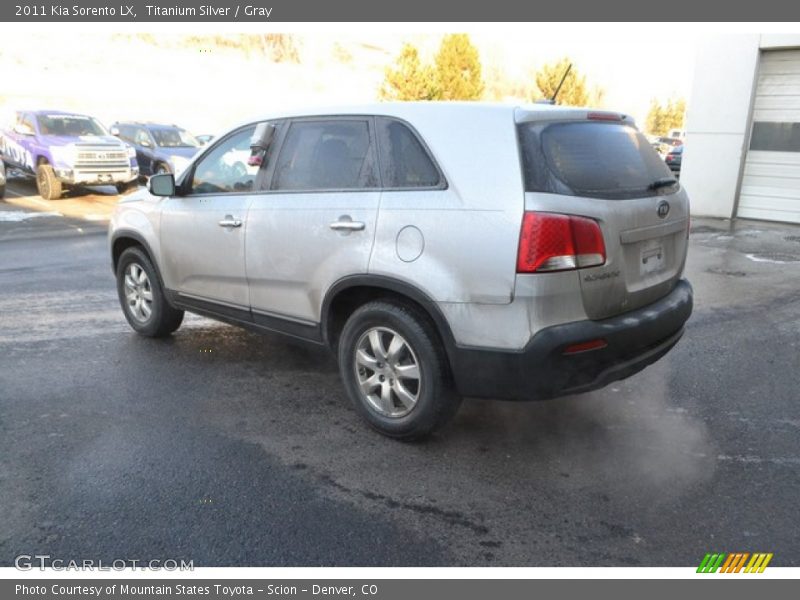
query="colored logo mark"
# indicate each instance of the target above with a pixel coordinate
(735, 562)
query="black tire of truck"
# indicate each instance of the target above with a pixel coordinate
(127, 188)
(47, 184)
(2, 191)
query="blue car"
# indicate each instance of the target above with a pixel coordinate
(159, 148)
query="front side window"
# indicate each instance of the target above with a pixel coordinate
(404, 161)
(224, 169)
(332, 154)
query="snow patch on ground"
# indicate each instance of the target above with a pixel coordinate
(16, 216)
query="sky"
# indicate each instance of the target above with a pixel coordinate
(114, 75)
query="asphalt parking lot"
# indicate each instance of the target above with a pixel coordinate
(229, 448)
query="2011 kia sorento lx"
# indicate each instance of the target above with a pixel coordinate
(440, 250)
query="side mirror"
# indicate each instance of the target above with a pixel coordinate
(114, 131)
(162, 185)
(260, 142)
(22, 129)
(262, 137)
(145, 143)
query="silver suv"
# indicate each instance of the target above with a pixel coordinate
(440, 250)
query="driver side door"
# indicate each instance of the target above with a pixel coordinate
(202, 231)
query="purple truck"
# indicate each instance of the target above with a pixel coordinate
(65, 149)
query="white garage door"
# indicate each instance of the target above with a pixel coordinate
(771, 182)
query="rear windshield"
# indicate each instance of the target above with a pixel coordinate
(612, 161)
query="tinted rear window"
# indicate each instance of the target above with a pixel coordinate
(404, 161)
(595, 159)
(332, 154)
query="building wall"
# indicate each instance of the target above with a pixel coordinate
(718, 118)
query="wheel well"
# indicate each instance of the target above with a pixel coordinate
(123, 243)
(350, 299)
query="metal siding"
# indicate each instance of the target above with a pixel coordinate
(771, 181)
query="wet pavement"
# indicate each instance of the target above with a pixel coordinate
(232, 448)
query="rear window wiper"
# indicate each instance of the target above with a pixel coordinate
(663, 182)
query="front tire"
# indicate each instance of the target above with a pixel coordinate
(127, 188)
(47, 184)
(142, 298)
(395, 371)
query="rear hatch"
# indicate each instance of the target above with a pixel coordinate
(598, 165)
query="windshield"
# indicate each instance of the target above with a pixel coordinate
(590, 158)
(174, 138)
(69, 125)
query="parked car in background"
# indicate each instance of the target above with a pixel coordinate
(204, 138)
(159, 148)
(65, 149)
(673, 159)
(432, 268)
(2, 179)
(664, 144)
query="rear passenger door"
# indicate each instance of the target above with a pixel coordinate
(316, 221)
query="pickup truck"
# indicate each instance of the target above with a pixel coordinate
(64, 149)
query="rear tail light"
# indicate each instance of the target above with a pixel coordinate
(554, 242)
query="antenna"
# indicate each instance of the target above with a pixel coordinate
(558, 89)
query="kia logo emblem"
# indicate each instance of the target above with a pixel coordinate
(663, 209)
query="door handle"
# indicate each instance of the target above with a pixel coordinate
(229, 221)
(347, 224)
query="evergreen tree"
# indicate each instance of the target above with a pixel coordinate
(573, 92)
(663, 117)
(408, 79)
(455, 74)
(458, 69)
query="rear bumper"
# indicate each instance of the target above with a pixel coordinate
(541, 370)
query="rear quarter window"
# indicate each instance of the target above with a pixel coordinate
(588, 158)
(405, 163)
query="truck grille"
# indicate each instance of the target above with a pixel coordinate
(101, 157)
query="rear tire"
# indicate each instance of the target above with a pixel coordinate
(47, 184)
(3, 191)
(142, 298)
(395, 371)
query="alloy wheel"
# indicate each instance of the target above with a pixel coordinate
(387, 371)
(138, 293)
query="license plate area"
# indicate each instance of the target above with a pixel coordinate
(651, 258)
